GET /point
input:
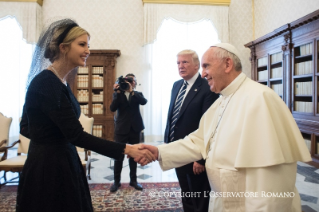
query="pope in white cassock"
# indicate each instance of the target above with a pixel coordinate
(249, 139)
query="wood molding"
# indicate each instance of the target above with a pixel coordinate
(286, 28)
(201, 2)
(40, 2)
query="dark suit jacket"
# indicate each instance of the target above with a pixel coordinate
(128, 112)
(198, 100)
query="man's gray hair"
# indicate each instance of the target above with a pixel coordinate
(191, 52)
(222, 54)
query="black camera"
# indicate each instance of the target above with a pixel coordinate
(123, 83)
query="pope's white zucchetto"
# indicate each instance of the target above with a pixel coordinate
(228, 47)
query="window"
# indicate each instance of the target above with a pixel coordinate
(173, 37)
(15, 60)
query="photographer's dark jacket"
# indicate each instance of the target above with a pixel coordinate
(128, 112)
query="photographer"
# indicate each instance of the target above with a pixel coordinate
(128, 124)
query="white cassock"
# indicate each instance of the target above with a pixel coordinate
(251, 143)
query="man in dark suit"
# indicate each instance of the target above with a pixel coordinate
(190, 98)
(128, 126)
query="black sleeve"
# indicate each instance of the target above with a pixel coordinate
(24, 124)
(202, 162)
(140, 98)
(65, 118)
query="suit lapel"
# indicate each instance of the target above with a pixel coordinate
(173, 98)
(190, 95)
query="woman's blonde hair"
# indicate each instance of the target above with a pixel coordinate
(53, 50)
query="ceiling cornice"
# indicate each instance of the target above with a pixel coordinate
(201, 2)
(40, 2)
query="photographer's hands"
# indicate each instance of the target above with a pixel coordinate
(116, 88)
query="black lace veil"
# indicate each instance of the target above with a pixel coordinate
(39, 62)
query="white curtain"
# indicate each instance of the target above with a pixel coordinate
(15, 60)
(29, 16)
(20, 24)
(172, 37)
(168, 29)
(155, 14)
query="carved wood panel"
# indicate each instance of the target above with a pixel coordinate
(107, 60)
(288, 39)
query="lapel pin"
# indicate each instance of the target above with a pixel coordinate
(195, 89)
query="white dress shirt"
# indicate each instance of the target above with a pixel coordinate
(190, 82)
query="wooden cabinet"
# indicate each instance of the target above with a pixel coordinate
(286, 60)
(93, 87)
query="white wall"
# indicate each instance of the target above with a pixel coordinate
(118, 24)
(112, 24)
(268, 15)
(241, 29)
(272, 14)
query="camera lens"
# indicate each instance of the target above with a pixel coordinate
(124, 86)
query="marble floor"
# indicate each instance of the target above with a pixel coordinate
(102, 171)
(307, 181)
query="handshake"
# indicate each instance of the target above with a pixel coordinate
(142, 153)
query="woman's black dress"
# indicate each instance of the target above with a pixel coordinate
(53, 178)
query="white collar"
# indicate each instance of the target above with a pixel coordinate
(192, 80)
(233, 86)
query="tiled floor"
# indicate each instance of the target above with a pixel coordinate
(307, 181)
(102, 171)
